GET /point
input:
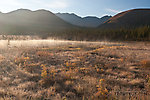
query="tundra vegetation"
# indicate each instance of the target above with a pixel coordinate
(76, 71)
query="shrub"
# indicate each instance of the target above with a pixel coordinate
(145, 63)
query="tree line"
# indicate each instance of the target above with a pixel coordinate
(93, 34)
(96, 34)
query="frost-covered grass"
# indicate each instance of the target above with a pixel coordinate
(74, 70)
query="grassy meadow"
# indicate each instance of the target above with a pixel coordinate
(75, 71)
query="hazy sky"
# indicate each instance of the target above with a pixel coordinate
(80, 7)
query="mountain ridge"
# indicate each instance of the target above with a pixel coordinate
(23, 21)
(88, 21)
(128, 19)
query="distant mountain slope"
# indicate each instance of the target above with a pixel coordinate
(84, 22)
(129, 19)
(24, 21)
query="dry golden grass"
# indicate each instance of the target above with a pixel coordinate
(1, 58)
(43, 53)
(75, 72)
(145, 63)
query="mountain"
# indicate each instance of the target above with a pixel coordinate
(23, 21)
(89, 21)
(129, 19)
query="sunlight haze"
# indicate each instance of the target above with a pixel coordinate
(80, 7)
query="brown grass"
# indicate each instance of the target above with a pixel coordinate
(90, 73)
(145, 63)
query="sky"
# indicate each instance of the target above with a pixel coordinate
(82, 8)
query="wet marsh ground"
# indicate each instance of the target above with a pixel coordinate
(76, 71)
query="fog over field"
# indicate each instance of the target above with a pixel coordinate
(46, 43)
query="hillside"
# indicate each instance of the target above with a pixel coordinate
(129, 19)
(89, 21)
(25, 21)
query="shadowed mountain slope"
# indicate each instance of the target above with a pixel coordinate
(89, 21)
(25, 21)
(129, 19)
